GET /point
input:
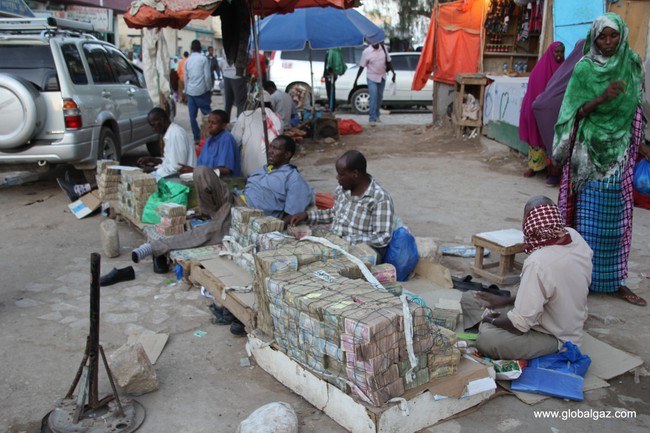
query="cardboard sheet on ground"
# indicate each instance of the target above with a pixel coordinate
(87, 204)
(153, 344)
(607, 362)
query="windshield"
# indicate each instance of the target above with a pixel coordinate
(32, 62)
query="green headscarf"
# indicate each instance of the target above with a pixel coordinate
(604, 135)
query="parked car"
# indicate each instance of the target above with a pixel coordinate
(404, 65)
(67, 97)
(290, 70)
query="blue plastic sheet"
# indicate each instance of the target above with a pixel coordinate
(559, 374)
(642, 177)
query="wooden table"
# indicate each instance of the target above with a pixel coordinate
(506, 243)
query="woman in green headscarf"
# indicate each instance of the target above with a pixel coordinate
(597, 137)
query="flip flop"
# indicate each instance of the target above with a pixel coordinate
(632, 299)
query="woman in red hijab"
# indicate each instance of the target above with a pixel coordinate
(528, 132)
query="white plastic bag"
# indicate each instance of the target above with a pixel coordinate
(392, 88)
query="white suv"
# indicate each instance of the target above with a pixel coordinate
(67, 97)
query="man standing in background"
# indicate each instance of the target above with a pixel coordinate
(198, 86)
(377, 60)
(215, 71)
(182, 97)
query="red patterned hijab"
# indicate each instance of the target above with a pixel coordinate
(544, 225)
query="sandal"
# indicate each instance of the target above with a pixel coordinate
(630, 297)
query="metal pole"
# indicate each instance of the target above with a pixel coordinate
(93, 364)
(256, 46)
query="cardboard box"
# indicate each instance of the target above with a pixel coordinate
(87, 204)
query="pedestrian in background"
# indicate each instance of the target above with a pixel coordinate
(181, 78)
(234, 88)
(198, 87)
(376, 59)
(215, 70)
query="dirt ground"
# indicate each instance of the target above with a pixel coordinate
(443, 188)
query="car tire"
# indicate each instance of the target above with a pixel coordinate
(360, 101)
(22, 111)
(154, 148)
(109, 147)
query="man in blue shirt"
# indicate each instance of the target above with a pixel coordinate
(198, 86)
(220, 150)
(277, 188)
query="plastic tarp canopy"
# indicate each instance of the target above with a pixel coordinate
(178, 13)
(453, 43)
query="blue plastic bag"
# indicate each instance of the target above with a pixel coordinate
(559, 374)
(642, 177)
(402, 253)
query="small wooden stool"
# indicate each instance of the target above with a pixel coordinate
(506, 243)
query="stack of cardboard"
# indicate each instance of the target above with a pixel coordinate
(172, 219)
(108, 179)
(134, 191)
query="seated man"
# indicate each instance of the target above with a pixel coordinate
(363, 210)
(220, 150)
(179, 147)
(281, 103)
(277, 188)
(551, 304)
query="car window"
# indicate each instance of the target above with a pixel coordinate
(75, 64)
(97, 59)
(121, 68)
(32, 62)
(400, 63)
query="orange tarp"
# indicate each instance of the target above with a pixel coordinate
(453, 43)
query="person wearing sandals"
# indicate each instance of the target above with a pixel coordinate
(597, 137)
(541, 74)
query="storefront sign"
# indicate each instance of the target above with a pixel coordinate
(101, 19)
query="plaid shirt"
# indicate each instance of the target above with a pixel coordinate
(366, 219)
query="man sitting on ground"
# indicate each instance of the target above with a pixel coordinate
(277, 188)
(363, 211)
(282, 104)
(551, 304)
(179, 148)
(220, 150)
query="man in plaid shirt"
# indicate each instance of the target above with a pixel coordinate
(363, 211)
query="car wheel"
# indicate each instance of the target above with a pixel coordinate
(154, 148)
(22, 111)
(360, 101)
(108, 145)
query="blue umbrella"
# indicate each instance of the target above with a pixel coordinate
(321, 28)
(318, 28)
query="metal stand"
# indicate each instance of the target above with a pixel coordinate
(86, 412)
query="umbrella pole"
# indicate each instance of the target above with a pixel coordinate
(313, 102)
(256, 45)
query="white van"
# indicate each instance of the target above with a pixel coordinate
(290, 70)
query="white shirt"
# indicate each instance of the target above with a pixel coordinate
(249, 133)
(552, 295)
(179, 149)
